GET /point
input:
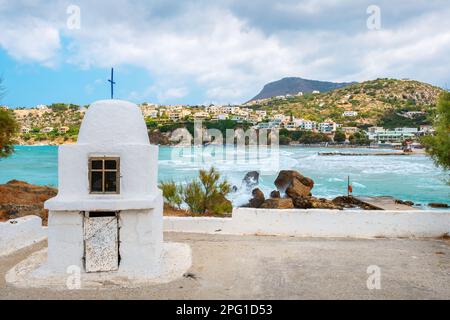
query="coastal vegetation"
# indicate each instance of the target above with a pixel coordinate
(377, 102)
(388, 103)
(203, 195)
(438, 144)
(8, 128)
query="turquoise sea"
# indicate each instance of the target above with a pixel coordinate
(412, 178)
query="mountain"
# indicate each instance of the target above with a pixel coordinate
(293, 85)
(383, 102)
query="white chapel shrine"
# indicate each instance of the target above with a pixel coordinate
(107, 217)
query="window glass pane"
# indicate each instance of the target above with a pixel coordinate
(97, 164)
(96, 181)
(110, 164)
(110, 182)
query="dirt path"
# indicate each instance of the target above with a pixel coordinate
(235, 267)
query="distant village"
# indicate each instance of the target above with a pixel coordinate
(42, 120)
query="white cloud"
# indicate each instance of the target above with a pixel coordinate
(226, 52)
(30, 39)
(172, 93)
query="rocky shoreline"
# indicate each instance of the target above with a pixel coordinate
(19, 199)
(293, 190)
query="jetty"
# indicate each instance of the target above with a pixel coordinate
(364, 153)
(385, 203)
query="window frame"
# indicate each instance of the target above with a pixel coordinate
(103, 171)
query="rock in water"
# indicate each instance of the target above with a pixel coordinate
(279, 203)
(294, 184)
(406, 203)
(438, 205)
(251, 179)
(275, 194)
(257, 200)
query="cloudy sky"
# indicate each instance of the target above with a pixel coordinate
(222, 51)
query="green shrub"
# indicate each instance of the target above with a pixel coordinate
(171, 193)
(205, 194)
(193, 197)
(8, 130)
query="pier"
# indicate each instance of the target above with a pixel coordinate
(385, 203)
(364, 154)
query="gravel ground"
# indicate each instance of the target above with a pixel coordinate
(256, 267)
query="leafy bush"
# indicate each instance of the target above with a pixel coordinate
(438, 145)
(339, 136)
(359, 138)
(8, 129)
(205, 194)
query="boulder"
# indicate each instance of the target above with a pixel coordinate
(406, 203)
(315, 203)
(257, 200)
(351, 202)
(278, 203)
(251, 179)
(294, 184)
(321, 203)
(302, 202)
(275, 194)
(438, 205)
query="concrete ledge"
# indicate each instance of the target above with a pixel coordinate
(319, 223)
(19, 233)
(106, 203)
(207, 225)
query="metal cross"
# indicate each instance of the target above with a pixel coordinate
(112, 83)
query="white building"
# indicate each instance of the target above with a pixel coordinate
(201, 115)
(63, 129)
(425, 129)
(397, 135)
(220, 116)
(350, 114)
(151, 113)
(230, 109)
(213, 109)
(327, 127)
(47, 129)
(261, 113)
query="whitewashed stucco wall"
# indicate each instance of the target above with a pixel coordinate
(319, 223)
(19, 233)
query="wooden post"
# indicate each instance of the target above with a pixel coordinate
(348, 186)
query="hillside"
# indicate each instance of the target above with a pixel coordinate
(293, 86)
(377, 102)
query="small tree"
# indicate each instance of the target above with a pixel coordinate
(438, 145)
(339, 136)
(359, 138)
(203, 194)
(171, 193)
(8, 129)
